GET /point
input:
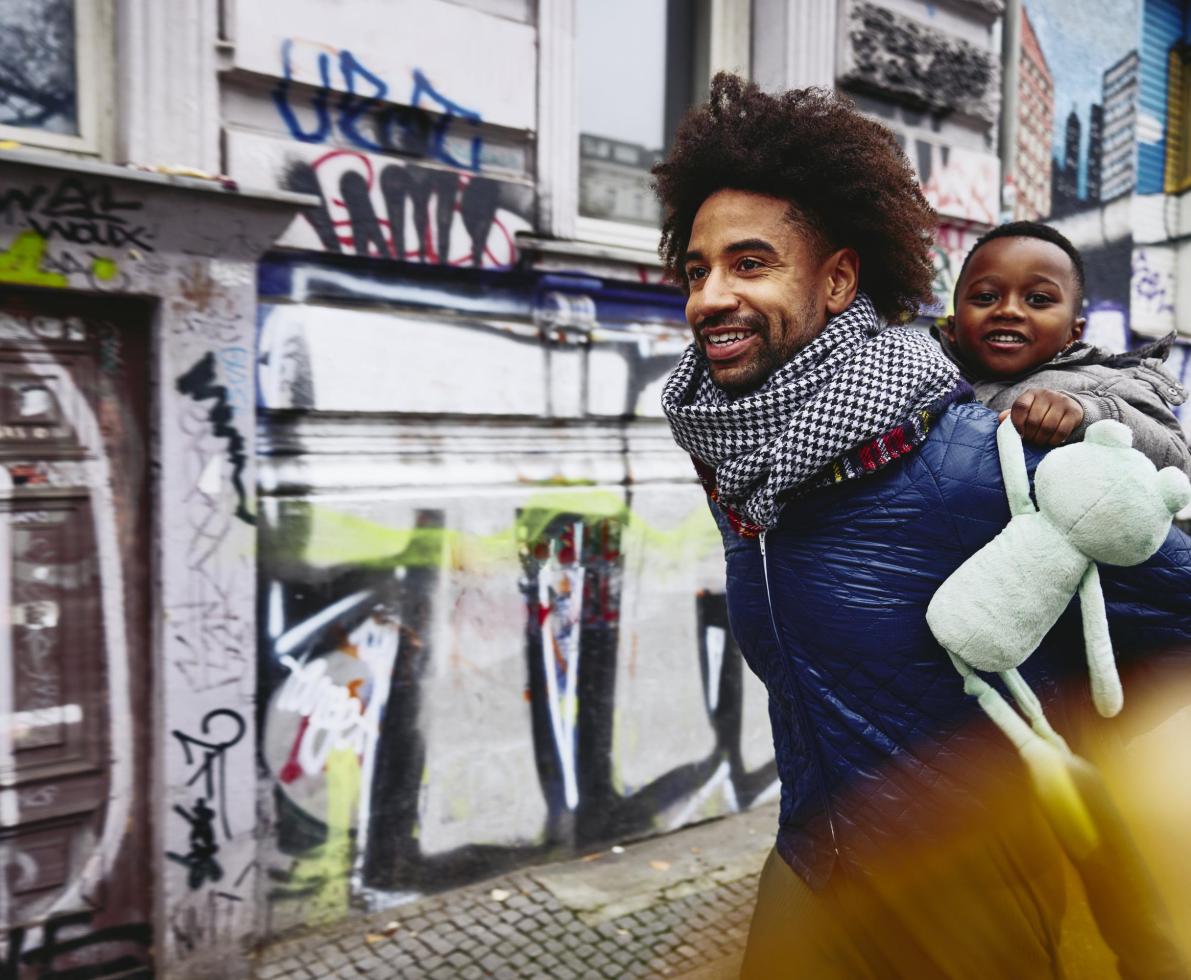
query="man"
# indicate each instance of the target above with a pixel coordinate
(850, 473)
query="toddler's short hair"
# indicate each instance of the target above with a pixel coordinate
(1029, 229)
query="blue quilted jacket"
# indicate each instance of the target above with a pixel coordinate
(873, 734)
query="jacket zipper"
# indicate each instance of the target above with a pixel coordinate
(801, 707)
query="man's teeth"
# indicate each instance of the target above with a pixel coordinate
(720, 339)
(1006, 338)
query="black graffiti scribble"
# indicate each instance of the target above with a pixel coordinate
(77, 212)
(434, 197)
(42, 959)
(199, 384)
(201, 858)
(212, 767)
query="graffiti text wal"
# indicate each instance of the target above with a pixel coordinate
(76, 212)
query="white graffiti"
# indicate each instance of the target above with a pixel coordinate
(560, 595)
(341, 716)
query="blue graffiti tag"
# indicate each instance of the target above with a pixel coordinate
(425, 124)
(352, 109)
(281, 97)
(449, 110)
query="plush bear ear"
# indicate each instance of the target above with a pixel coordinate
(1175, 488)
(1109, 432)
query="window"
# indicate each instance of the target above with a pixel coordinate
(47, 73)
(640, 65)
(615, 77)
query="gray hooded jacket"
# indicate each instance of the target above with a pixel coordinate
(1133, 388)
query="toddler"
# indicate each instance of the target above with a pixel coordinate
(1015, 335)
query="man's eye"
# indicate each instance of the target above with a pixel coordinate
(748, 265)
(696, 272)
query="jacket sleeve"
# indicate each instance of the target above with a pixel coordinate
(1149, 605)
(1137, 404)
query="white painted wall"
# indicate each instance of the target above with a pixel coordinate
(477, 59)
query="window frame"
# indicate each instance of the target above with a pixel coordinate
(558, 116)
(89, 31)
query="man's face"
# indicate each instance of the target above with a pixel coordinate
(758, 290)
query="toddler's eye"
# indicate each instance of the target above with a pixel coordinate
(1039, 299)
(984, 297)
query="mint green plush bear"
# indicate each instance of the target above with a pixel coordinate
(1098, 500)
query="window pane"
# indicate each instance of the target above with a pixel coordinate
(37, 65)
(636, 63)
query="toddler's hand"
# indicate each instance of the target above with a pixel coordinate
(1045, 417)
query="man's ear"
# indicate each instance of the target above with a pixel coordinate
(948, 326)
(1077, 327)
(843, 279)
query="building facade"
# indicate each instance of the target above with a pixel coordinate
(1117, 149)
(350, 555)
(1035, 123)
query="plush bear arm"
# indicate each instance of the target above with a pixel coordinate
(1102, 667)
(1013, 469)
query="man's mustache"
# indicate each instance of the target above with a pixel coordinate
(746, 321)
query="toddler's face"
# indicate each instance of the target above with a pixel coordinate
(1015, 307)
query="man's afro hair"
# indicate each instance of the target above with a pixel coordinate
(844, 175)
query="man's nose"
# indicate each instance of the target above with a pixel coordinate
(716, 296)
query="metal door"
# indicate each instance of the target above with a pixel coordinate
(74, 674)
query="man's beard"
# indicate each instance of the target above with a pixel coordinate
(794, 333)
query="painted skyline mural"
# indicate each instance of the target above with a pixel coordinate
(1080, 74)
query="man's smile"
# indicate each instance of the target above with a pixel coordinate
(726, 343)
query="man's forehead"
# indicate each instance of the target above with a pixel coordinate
(730, 215)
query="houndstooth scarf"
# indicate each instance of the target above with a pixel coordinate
(853, 399)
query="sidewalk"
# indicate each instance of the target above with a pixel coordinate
(676, 906)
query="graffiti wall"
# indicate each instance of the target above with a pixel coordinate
(126, 638)
(953, 241)
(412, 158)
(382, 207)
(492, 627)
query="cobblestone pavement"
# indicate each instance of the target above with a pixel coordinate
(675, 907)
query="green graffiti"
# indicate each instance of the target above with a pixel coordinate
(327, 868)
(22, 262)
(104, 269)
(324, 537)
